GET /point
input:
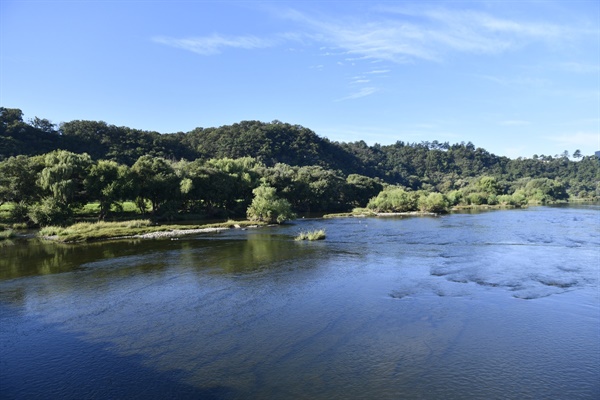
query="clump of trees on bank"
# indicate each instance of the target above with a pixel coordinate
(266, 172)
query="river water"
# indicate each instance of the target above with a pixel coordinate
(491, 305)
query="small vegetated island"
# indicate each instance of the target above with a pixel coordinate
(261, 173)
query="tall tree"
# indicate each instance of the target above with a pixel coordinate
(156, 182)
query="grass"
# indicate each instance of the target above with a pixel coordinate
(89, 231)
(312, 235)
(85, 231)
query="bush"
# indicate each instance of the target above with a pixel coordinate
(477, 198)
(434, 202)
(267, 207)
(50, 212)
(454, 197)
(19, 212)
(394, 199)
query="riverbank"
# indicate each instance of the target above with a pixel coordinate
(137, 229)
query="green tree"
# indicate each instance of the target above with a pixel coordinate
(488, 184)
(361, 189)
(268, 207)
(63, 177)
(107, 183)
(155, 181)
(394, 199)
(18, 176)
(433, 202)
(62, 184)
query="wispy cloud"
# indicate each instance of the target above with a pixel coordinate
(214, 44)
(393, 35)
(379, 71)
(396, 34)
(366, 91)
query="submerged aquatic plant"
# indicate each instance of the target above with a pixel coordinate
(312, 235)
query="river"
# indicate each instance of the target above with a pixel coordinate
(487, 305)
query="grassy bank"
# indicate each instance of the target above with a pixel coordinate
(90, 231)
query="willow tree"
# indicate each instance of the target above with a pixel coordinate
(268, 207)
(63, 188)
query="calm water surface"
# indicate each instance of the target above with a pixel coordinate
(494, 305)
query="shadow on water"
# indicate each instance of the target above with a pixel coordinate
(231, 252)
(69, 367)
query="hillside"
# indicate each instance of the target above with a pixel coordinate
(414, 165)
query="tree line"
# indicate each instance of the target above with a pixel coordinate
(50, 188)
(48, 171)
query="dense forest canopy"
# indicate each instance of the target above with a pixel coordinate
(52, 169)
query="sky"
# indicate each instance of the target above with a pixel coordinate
(516, 78)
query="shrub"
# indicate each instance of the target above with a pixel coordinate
(454, 197)
(267, 207)
(19, 212)
(434, 202)
(394, 199)
(50, 212)
(477, 198)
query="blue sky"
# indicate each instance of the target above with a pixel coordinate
(514, 77)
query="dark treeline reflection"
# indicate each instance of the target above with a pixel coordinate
(229, 252)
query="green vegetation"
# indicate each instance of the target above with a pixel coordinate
(267, 207)
(312, 235)
(6, 234)
(91, 231)
(267, 172)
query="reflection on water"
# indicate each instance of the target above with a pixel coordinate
(483, 305)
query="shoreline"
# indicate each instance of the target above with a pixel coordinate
(95, 232)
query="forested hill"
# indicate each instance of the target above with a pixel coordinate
(271, 143)
(414, 165)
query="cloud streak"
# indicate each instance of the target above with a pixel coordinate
(363, 92)
(392, 36)
(215, 44)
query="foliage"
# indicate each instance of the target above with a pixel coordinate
(6, 234)
(154, 180)
(433, 202)
(18, 177)
(394, 199)
(267, 207)
(50, 212)
(63, 177)
(107, 182)
(47, 173)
